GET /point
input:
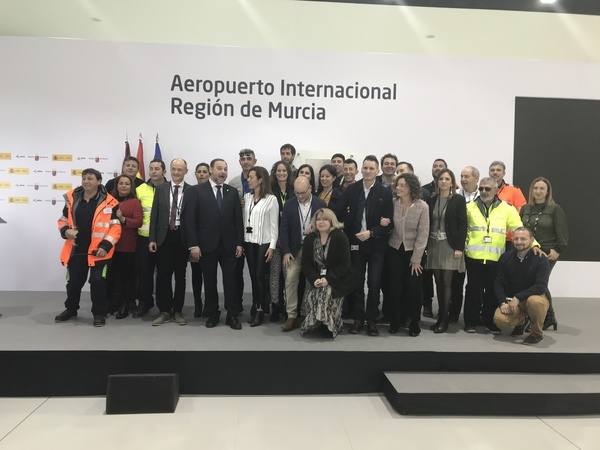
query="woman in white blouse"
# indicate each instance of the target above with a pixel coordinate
(261, 228)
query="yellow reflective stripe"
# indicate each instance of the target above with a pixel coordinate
(144, 227)
(472, 228)
(98, 235)
(147, 208)
(498, 230)
(110, 239)
(115, 221)
(102, 224)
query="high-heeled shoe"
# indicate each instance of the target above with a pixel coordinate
(258, 319)
(434, 326)
(442, 327)
(414, 329)
(122, 312)
(550, 322)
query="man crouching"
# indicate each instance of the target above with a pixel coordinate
(521, 287)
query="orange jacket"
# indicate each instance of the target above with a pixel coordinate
(511, 195)
(106, 228)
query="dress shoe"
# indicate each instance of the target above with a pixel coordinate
(356, 327)
(233, 322)
(122, 312)
(179, 319)
(258, 319)
(212, 321)
(394, 328)
(427, 312)
(434, 326)
(290, 324)
(470, 328)
(414, 329)
(99, 321)
(533, 339)
(65, 315)
(372, 328)
(442, 327)
(197, 312)
(163, 317)
(492, 328)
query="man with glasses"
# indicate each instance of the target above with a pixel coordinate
(295, 225)
(488, 221)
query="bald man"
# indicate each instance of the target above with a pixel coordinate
(295, 225)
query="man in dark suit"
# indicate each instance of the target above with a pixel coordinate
(213, 227)
(166, 240)
(363, 207)
(295, 224)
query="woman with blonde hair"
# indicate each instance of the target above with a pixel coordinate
(548, 223)
(326, 266)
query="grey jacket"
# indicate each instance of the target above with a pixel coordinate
(415, 230)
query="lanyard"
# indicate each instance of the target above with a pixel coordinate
(537, 219)
(251, 207)
(443, 212)
(304, 219)
(283, 197)
(325, 247)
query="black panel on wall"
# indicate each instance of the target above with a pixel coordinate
(560, 139)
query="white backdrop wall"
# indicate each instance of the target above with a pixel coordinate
(78, 98)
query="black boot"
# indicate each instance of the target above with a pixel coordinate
(258, 319)
(550, 320)
(122, 312)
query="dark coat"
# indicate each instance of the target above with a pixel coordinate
(339, 269)
(161, 212)
(290, 231)
(205, 226)
(455, 220)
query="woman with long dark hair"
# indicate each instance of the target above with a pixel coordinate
(548, 222)
(306, 170)
(447, 235)
(283, 189)
(328, 192)
(129, 212)
(261, 230)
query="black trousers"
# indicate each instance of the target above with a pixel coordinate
(370, 263)
(239, 278)
(259, 275)
(387, 285)
(406, 289)
(458, 283)
(78, 272)
(146, 271)
(427, 288)
(197, 285)
(228, 263)
(480, 300)
(123, 273)
(172, 259)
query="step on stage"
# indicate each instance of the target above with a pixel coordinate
(42, 358)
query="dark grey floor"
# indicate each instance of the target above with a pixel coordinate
(27, 323)
(482, 383)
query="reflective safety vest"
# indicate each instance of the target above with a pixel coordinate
(145, 194)
(104, 227)
(487, 228)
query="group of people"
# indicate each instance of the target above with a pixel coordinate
(310, 246)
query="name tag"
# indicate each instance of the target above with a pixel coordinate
(107, 211)
(487, 239)
(323, 272)
(354, 248)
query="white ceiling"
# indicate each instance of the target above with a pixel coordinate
(310, 25)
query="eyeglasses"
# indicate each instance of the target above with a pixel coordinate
(485, 188)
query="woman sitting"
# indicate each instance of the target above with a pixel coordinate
(326, 266)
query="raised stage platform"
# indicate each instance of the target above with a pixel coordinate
(40, 357)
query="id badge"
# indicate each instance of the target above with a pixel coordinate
(354, 248)
(323, 272)
(487, 239)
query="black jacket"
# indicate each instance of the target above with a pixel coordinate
(378, 204)
(161, 212)
(339, 269)
(290, 231)
(521, 279)
(455, 220)
(334, 200)
(205, 226)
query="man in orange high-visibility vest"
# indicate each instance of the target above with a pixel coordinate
(91, 229)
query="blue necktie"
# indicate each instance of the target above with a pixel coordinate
(219, 197)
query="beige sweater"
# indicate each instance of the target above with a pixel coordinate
(413, 231)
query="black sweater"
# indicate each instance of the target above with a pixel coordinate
(521, 279)
(339, 270)
(455, 220)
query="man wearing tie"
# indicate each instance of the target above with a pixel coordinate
(213, 229)
(166, 240)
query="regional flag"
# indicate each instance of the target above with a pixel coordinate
(140, 157)
(157, 153)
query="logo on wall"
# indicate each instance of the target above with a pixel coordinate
(18, 200)
(5, 156)
(62, 157)
(4, 184)
(18, 171)
(62, 186)
(76, 172)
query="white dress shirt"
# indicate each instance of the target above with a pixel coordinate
(363, 225)
(179, 202)
(263, 217)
